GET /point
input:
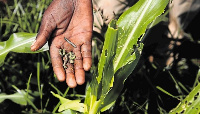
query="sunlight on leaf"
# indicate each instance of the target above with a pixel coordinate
(108, 49)
(70, 104)
(16, 97)
(20, 43)
(121, 52)
(131, 25)
(190, 105)
(68, 111)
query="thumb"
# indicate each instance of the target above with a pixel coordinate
(47, 26)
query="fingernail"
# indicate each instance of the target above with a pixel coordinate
(33, 43)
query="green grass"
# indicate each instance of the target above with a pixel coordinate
(30, 72)
(33, 72)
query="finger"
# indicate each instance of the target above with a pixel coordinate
(57, 63)
(78, 66)
(70, 78)
(86, 50)
(47, 26)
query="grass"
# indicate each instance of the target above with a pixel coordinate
(149, 88)
(25, 16)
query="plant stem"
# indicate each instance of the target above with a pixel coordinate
(95, 107)
(26, 98)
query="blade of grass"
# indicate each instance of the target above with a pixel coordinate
(129, 111)
(164, 91)
(146, 107)
(183, 87)
(38, 81)
(58, 91)
(197, 79)
(28, 84)
(176, 83)
(47, 102)
(140, 107)
(27, 99)
(76, 95)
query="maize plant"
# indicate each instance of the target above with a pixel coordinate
(120, 55)
(19, 43)
(121, 52)
(190, 105)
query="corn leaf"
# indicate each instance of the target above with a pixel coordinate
(18, 97)
(131, 25)
(68, 111)
(119, 78)
(109, 49)
(121, 53)
(20, 43)
(67, 104)
(108, 54)
(190, 105)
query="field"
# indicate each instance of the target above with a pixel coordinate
(152, 87)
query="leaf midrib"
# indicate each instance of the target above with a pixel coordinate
(20, 44)
(11, 96)
(131, 34)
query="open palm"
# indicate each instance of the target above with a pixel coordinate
(73, 20)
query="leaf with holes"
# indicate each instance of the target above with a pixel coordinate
(121, 52)
(190, 105)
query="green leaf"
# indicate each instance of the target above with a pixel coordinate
(121, 52)
(109, 49)
(18, 97)
(96, 91)
(20, 43)
(120, 76)
(70, 104)
(159, 19)
(68, 111)
(190, 105)
(164, 91)
(131, 25)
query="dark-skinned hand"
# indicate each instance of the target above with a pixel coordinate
(72, 19)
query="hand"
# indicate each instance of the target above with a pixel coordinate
(72, 19)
